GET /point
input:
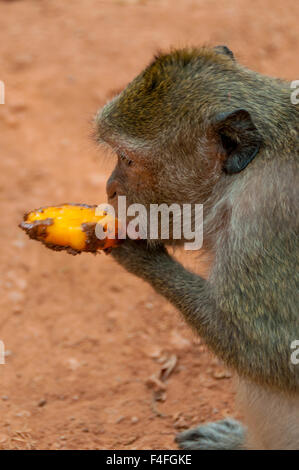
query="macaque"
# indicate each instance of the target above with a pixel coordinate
(196, 127)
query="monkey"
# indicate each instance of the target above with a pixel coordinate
(196, 126)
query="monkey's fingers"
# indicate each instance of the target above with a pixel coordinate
(72, 227)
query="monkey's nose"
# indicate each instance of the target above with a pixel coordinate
(112, 188)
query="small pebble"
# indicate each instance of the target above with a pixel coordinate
(149, 305)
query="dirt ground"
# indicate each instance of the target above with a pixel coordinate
(86, 342)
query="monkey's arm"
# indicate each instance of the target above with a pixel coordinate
(185, 290)
(246, 341)
(168, 277)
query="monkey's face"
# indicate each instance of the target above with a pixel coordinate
(149, 176)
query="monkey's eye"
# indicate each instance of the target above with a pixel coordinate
(122, 156)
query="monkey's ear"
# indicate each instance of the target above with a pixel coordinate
(224, 50)
(239, 139)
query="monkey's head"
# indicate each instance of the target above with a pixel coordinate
(179, 127)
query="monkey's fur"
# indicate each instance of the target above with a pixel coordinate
(197, 127)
